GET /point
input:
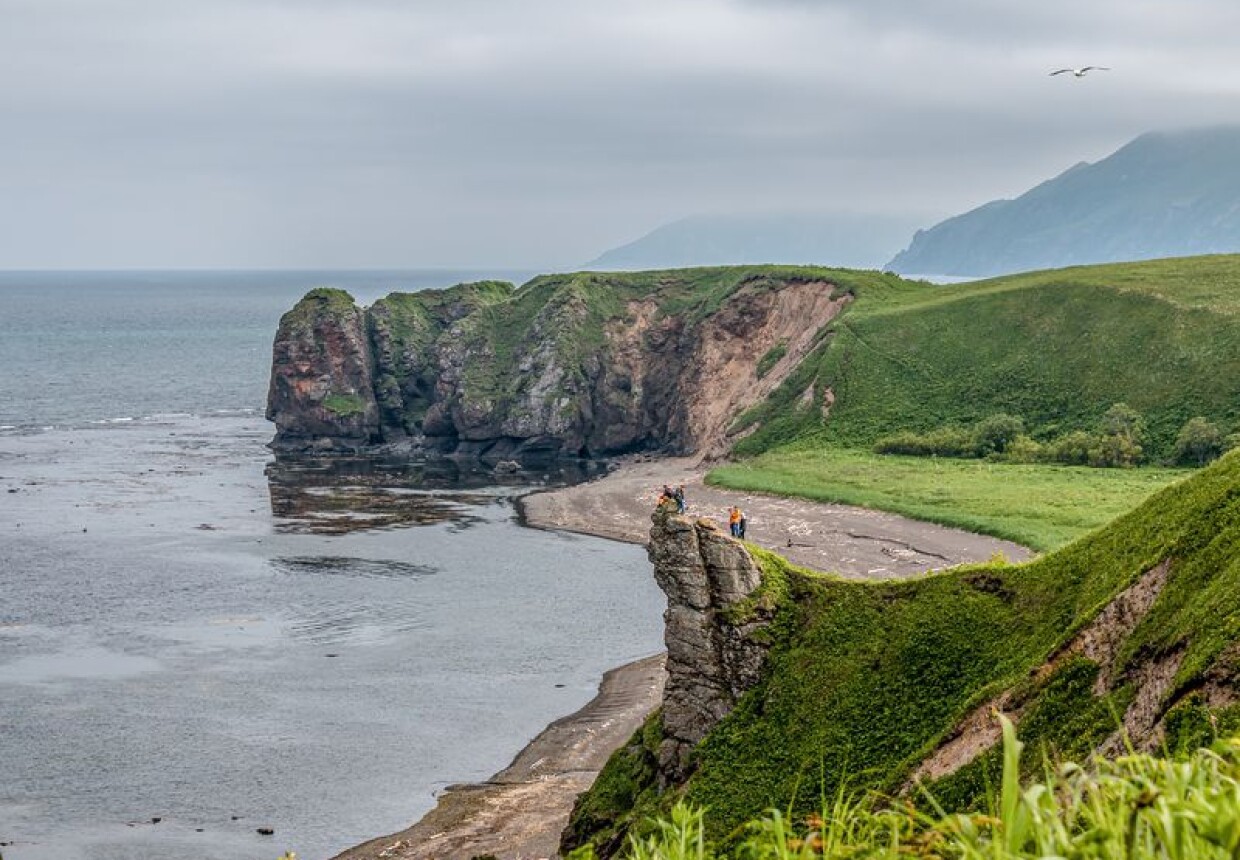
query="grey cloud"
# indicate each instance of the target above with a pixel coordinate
(164, 132)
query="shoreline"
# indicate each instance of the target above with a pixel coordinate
(857, 543)
(520, 812)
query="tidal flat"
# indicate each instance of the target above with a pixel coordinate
(193, 633)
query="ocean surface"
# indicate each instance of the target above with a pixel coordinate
(193, 632)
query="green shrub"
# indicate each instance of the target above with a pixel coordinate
(993, 435)
(906, 443)
(771, 358)
(1199, 442)
(1024, 449)
(1114, 450)
(1122, 420)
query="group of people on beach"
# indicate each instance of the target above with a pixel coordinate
(669, 495)
(736, 517)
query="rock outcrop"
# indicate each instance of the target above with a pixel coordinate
(575, 365)
(713, 656)
(322, 388)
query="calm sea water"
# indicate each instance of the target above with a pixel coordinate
(77, 347)
(191, 632)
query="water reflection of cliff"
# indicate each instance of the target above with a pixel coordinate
(341, 494)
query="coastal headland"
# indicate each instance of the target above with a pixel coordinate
(771, 664)
(521, 811)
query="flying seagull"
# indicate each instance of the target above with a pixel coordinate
(1081, 72)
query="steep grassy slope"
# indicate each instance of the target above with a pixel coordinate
(865, 681)
(1056, 347)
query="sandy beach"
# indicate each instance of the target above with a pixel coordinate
(519, 812)
(853, 542)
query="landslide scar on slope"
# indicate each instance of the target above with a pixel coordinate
(721, 377)
(1100, 642)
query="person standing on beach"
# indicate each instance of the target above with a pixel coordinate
(734, 521)
(680, 499)
(740, 525)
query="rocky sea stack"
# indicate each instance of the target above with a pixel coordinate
(579, 365)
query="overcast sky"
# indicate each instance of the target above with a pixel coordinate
(416, 133)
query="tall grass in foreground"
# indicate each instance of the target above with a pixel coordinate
(1132, 808)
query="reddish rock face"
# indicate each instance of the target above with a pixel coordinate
(322, 391)
(577, 366)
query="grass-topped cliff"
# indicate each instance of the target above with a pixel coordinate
(868, 684)
(754, 358)
(1057, 348)
(584, 364)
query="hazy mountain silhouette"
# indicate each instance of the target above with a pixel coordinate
(851, 241)
(1165, 194)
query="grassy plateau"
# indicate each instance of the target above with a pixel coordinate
(1040, 506)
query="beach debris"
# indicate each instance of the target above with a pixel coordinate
(396, 846)
(266, 831)
(156, 819)
(507, 467)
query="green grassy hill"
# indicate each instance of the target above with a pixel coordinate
(1057, 348)
(865, 680)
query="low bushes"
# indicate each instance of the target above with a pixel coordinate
(1117, 441)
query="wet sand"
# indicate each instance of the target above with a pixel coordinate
(520, 812)
(853, 542)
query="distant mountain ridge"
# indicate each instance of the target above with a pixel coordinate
(1165, 194)
(833, 239)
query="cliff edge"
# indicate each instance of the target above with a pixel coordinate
(580, 365)
(786, 686)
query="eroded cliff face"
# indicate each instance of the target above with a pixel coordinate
(322, 389)
(582, 365)
(713, 654)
